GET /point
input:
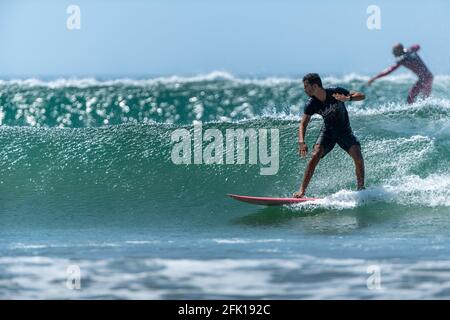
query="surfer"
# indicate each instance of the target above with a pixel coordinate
(329, 103)
(410, 59)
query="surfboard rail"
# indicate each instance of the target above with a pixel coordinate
(270, 201)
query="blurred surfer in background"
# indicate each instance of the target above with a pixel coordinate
(329, 103)
(410, 59)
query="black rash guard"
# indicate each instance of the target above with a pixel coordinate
(334, 112)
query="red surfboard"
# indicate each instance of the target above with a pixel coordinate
(268, 201)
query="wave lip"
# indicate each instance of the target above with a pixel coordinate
(431, 105)
(217, 96)
(208, 77)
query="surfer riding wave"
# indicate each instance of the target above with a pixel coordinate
(329, 103)
(410, 59)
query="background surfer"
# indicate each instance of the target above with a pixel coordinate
(329, 103)
(411, 60)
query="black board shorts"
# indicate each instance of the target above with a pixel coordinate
(327, 140)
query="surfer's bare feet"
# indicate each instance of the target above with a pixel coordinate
(361, 188)
(299, 194)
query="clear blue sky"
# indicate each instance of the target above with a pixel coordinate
(245, 37)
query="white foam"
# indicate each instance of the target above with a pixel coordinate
(298, 276)
(142, 242)
(212, 76)
(27, 246)
(438, 104)
(347, 199)
(246, 241)
(431, 191)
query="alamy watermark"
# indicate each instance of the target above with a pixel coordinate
(374, 280)
(374, 20)
(74, 20)
(73, 281)
(211, 147)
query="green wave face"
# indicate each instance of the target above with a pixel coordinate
(101, 152)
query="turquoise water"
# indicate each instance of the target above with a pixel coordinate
(86, 179)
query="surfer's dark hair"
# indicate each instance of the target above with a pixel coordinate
(313, 78)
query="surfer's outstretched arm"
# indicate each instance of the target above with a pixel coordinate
(384, 73)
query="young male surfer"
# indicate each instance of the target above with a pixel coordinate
(329, 103)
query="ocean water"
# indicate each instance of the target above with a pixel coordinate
(87, 182)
